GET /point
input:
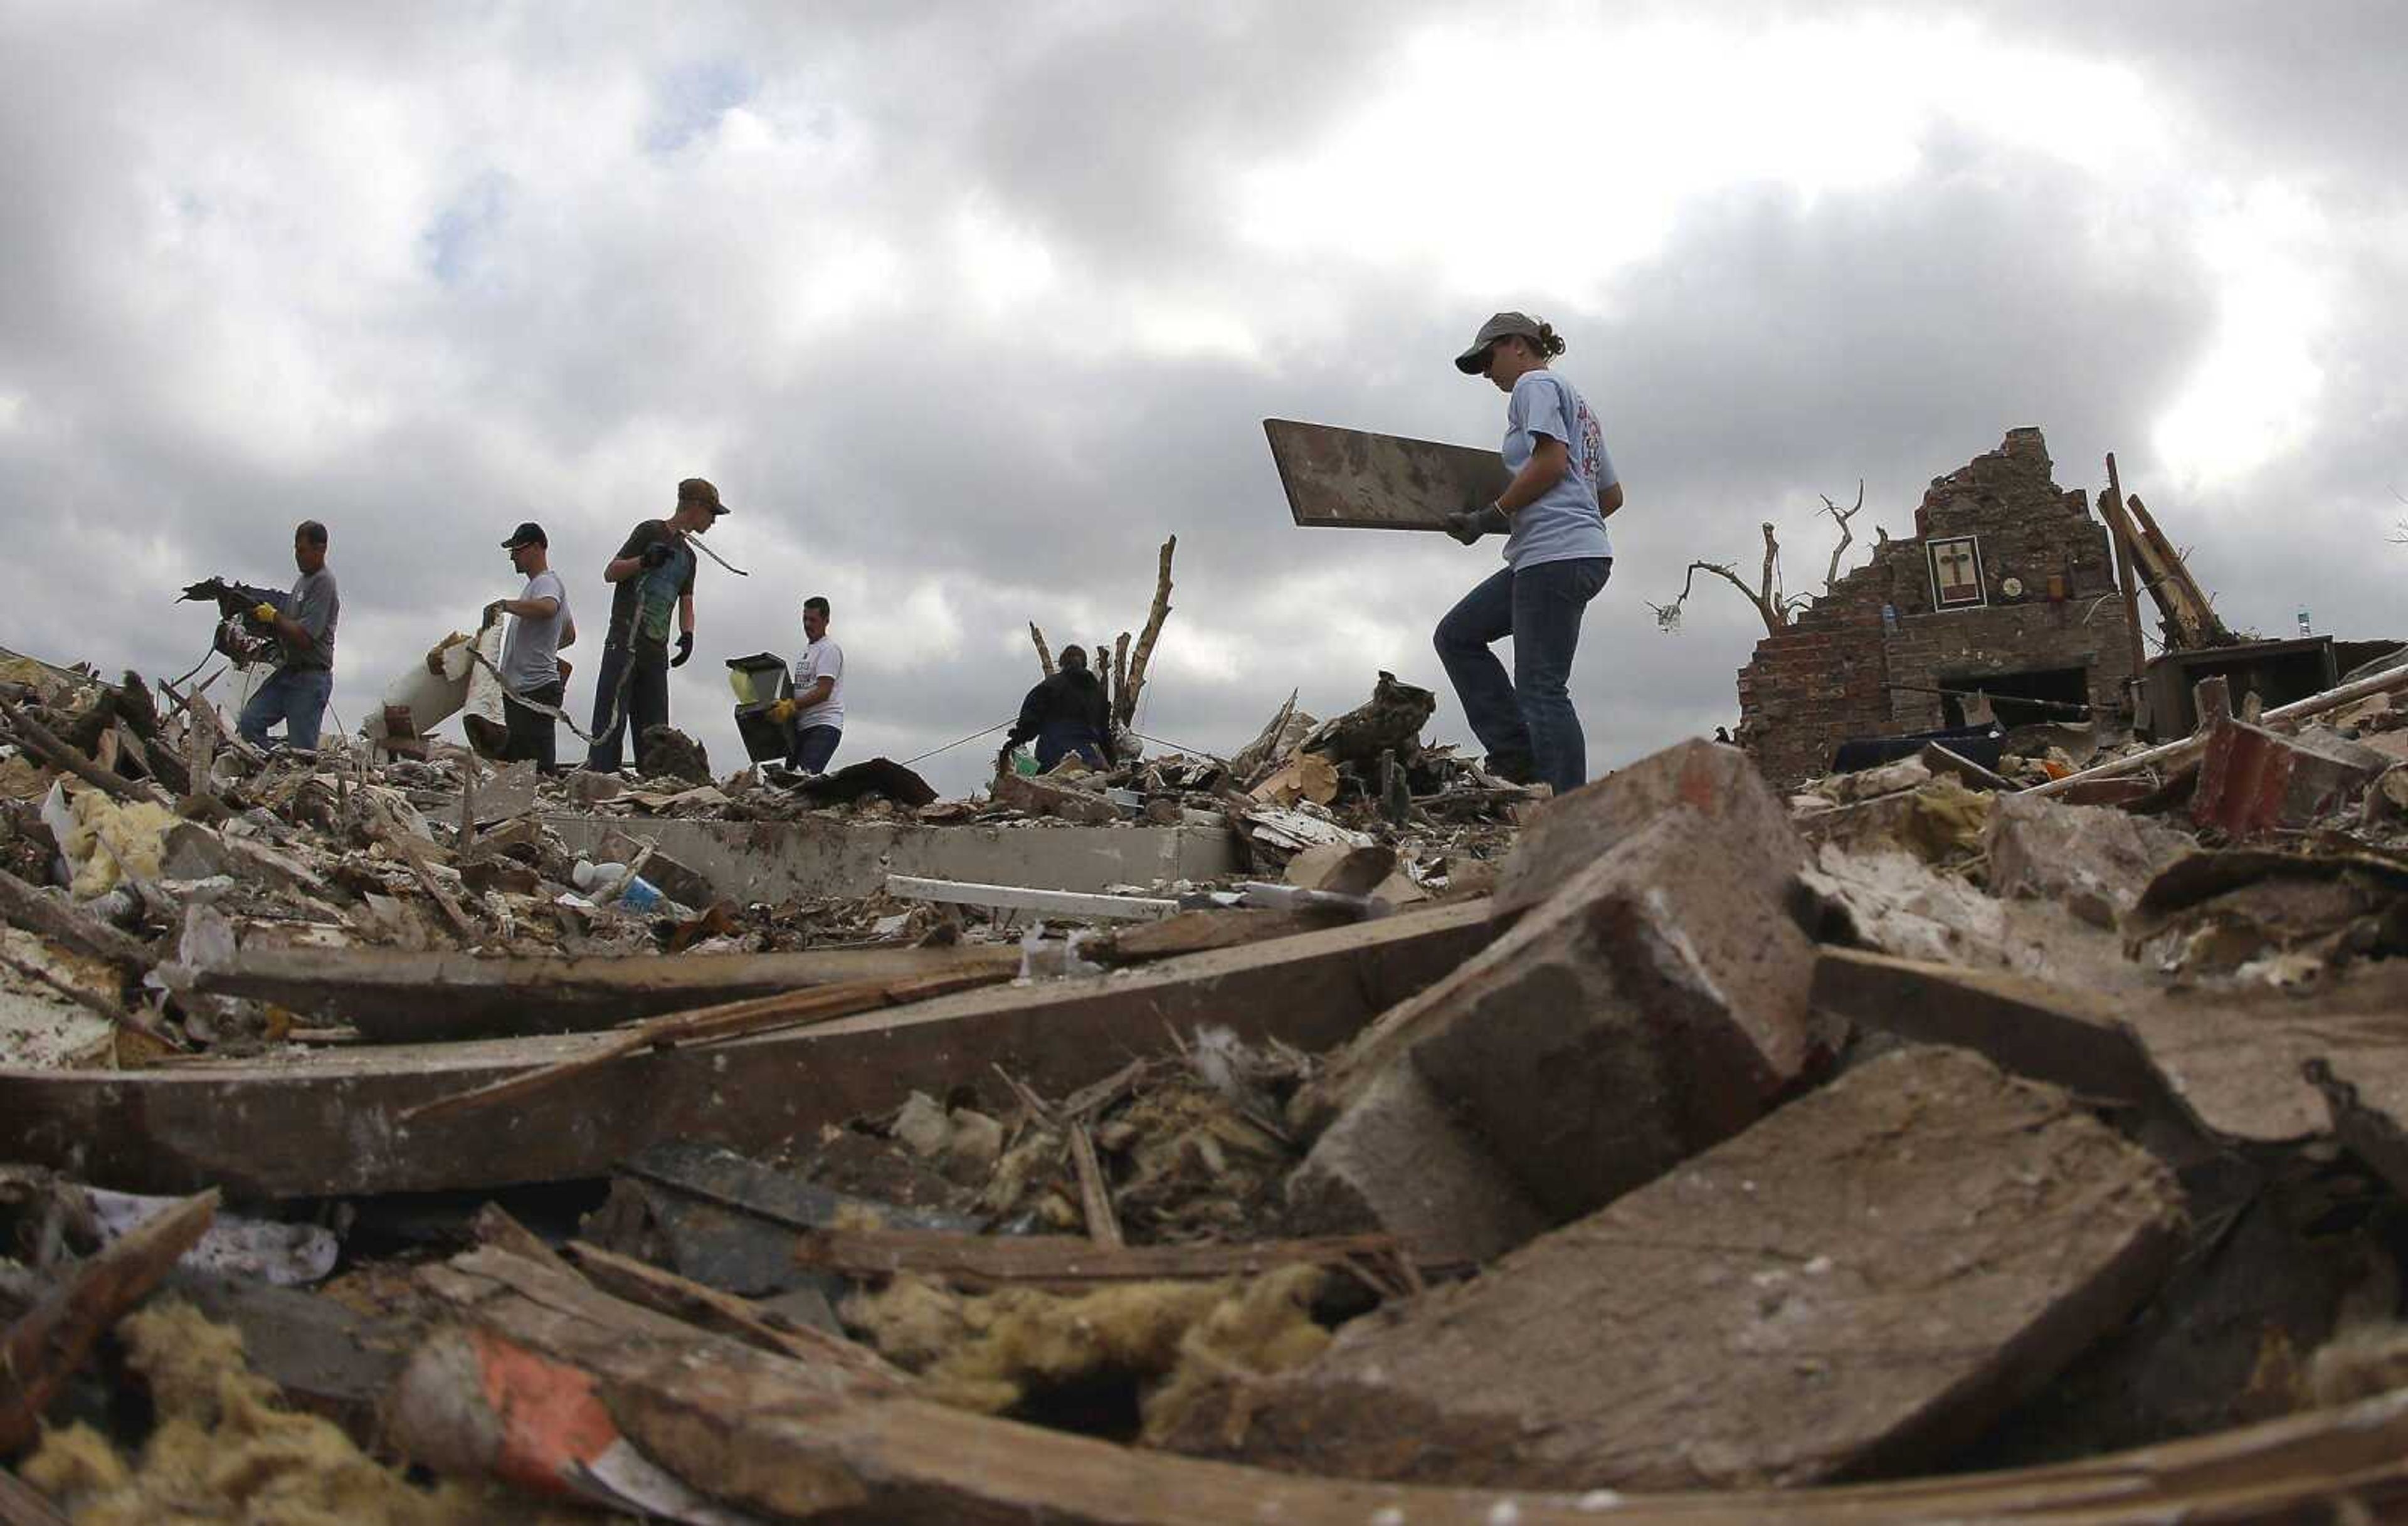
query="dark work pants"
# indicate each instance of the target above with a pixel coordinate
(1060, 738)
(1530, 715)
(645, 670)
(531, 733)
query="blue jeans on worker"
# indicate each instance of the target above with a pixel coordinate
(1530, 715)
(641, 670)
(813, 748)
(296, 696)
(1060, 738)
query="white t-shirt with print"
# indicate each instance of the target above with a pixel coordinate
(821, 658)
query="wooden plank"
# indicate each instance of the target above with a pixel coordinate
(1030, 898)
(1350, 479)
(1064, 1263)
(709, 1025)
(45, 1346)
(795, 1440)
(1094, 1197)
(38, 913)
(332, 1123)
(399, 996)
(724, 1314)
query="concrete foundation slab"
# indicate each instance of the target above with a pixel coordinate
(780, 860)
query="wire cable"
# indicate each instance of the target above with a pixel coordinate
(962, 742)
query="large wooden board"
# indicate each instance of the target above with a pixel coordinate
(332, 1124)
(1350, 479)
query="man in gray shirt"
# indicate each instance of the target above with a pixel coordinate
(540, 625)
(296, 692)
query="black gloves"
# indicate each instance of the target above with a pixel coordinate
(685, 649)
(1469, 525)
(657, 553)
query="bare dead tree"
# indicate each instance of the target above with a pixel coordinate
(1142, 652)
(1841, 517)
(1765, 598)
(1044, 656)
(1771, 604)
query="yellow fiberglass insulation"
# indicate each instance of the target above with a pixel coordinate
(226, 1450)
(990, 1352)
(107, 834)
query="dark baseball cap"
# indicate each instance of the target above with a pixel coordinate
(529, 534)
(694, 490)
(1473, 361)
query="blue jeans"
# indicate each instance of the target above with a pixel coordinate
(814, 747)
(296, 696)
(1531, 715)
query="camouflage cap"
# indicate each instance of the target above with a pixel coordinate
(694, 490)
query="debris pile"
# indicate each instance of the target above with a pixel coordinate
(1886, 1150)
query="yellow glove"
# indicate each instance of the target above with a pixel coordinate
(266, 614)
(782, 711)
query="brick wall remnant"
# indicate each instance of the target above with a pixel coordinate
(1843, 669)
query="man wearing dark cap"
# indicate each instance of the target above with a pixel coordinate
(654, 578)
(540, 625)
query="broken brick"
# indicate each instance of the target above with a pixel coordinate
(1861, 1281)
(1568, 833)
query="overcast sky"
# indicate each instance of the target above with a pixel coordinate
(966, 306)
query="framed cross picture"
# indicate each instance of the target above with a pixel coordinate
(1956, 573)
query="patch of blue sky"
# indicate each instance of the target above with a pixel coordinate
(466, 227)
(692, 99)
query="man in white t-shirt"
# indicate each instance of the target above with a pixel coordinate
(816, 711)
(540, 625)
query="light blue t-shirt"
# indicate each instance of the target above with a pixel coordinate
(1564, 523)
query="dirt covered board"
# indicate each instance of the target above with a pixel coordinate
(1348, 478)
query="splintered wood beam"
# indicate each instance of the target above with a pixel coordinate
(1062, 1263)
(1029, 898)
(29, 908)
(42, 1349)
(1044, 654)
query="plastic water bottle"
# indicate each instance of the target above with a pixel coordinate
(596, 879)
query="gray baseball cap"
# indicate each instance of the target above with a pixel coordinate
(1474, 361)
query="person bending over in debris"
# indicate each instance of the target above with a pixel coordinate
(540, 625)
(815, 713)
(1556, 558)
(1065, 714)
(654, 576)
(297, 692)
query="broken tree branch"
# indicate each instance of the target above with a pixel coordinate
(1841, 517)
(1044, 656)
(1775, 618)
(46, 1346)
(1143, 652)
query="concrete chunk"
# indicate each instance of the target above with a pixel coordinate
(2093, 859)
(1654, 1006)
(1569, 833)
(1397, 1162)
(1857, 1283)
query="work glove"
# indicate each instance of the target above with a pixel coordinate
(1469, 525)
(782, 711)
(657, 554)
(685, 649)
(266, 614)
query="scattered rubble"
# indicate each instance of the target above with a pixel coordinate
(1446, 1152)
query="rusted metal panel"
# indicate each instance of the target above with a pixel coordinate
(1350, 479)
